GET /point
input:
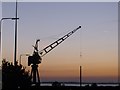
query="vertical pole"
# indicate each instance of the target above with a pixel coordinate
(15, 51)
(34, 73)
(119, 43)
(80, 76)
(38, 76)
(0, 41)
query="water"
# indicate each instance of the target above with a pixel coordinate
(66, 84)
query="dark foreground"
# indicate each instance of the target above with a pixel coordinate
(16, 78)
(68, 88)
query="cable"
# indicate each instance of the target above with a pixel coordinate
(80, 43)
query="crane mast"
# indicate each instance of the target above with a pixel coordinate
(36, 59)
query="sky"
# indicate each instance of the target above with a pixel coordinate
(96, 41)
(61, 0)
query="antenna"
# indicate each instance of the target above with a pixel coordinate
(80, 76)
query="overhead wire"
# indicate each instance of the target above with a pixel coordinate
(54, 36)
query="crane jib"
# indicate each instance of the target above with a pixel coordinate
(57, 42)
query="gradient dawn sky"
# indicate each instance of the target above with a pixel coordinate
(96, 41)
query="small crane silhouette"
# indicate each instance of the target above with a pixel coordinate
(36, 59)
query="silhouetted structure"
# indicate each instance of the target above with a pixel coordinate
(94, 85)
(14, 76)
(36, 58)
(15, 50)
(56, 84)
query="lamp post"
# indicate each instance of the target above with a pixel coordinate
(6, 19)
(1, 30)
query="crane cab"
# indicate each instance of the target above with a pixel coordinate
(34, 59)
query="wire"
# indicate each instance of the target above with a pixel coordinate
(80, 43)
(55, 36)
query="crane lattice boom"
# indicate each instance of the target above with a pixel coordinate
(56, 43)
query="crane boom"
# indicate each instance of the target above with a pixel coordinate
(56, 43)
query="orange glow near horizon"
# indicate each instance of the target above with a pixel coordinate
(62, 68)
(65, 65)
(61, 65)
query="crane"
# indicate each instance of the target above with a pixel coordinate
(36, 58)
